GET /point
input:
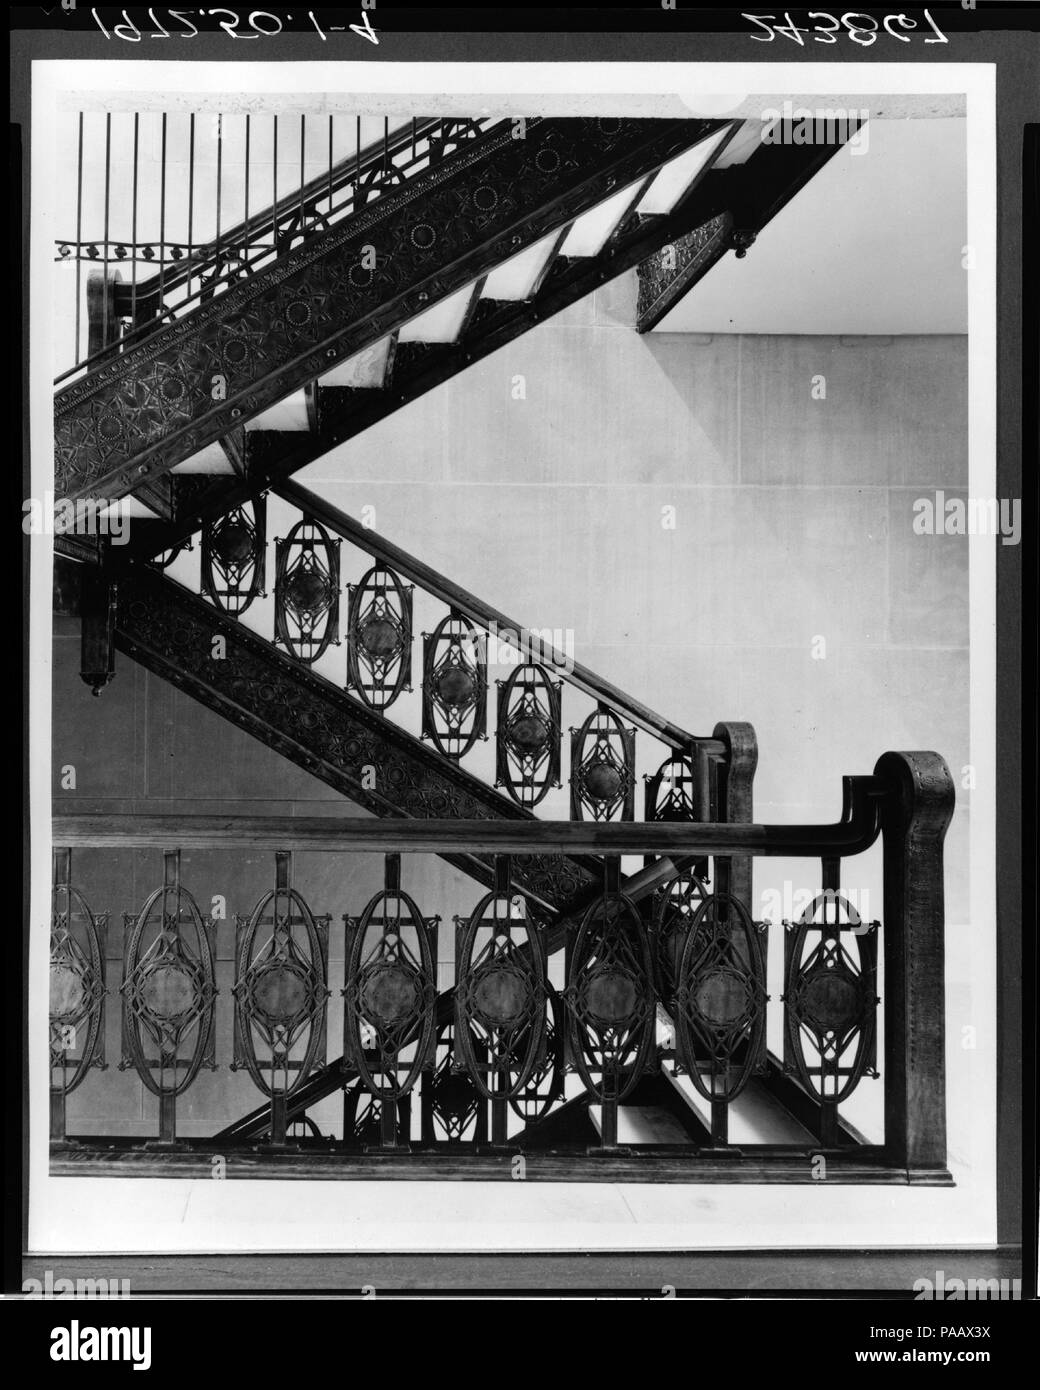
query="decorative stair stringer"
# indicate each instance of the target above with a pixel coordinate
(345, 412)
(725, 208)
(193, 381)
(320, 728)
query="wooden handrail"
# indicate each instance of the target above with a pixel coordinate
(855, 833)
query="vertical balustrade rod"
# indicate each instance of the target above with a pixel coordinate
(106, 301)
(330, 168)
(246, 219)
(62, 878)
(191, 194)
(500, 1106)
(274, 178)
(220, 177)
(830, 879)
(133, 228)
(162, 219)
(79, 236)
(303, 141)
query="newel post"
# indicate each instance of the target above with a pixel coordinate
(917, 808)
(735, 797)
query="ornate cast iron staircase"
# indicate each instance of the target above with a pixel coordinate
(318, 318)
(203, 389)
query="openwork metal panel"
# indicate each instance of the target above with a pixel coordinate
(454, 705)
(671, 793)
(306, 591)
(365, 1116)
(234, 557)
(544, 1085)
(485, 1063)
(603, 757)
(77, 989)
(528, 734)
(169, 990)
(610, 996)
(454, 1109)
(391, 990)
(500, 979)
(720, 998)
(317, 726)
(830, 979)
(281, 993)
(675, 908)
(379, 638)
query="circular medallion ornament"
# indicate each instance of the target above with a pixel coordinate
(829, 1002)
(530, 733)
(501, 995)
(610, 996)
(280, 993)
(456, 686)
(307, 590)
(379, 637)
(422, 236)
(169, 991)
(603, 782)
(66, 992)
(722, 998)
(233, 543)
(390, 994)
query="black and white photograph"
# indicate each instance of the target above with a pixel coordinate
(522, 549)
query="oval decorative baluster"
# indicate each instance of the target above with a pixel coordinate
(280, 989)
(306, 591)
(391, 990)
(234, 557)
(499, 995)
(528, 734)
(77, 988)
(673, 915)
(544, 1085)
(169, 989)
(720, 999)
(603, 757)
(830, 1027)
(610, 998)
(379, 634)
(454, 686)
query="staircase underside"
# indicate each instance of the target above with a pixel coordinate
(196, 380)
